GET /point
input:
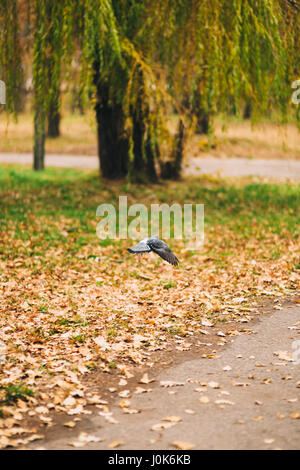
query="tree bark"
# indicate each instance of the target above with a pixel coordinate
(171, 169)
(144, 153)
(54, 118)
(203, 122)
(202, 116)
(77, 103)
(138, 140)
(113, 145)
(113, 141)
(150, 156)
(247, 111)
(39, 141)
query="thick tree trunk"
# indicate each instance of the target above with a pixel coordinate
(113, 143)
(203, 122)
(54, 118)
(172, 168)
(39, 141)
(144, 161)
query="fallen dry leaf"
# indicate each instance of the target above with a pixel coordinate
(130, 411)
(181, 445)
(84, 439)
(116, 443)
(172, 419)
(189, 412)
(70, 424)
(162, 426)
(204, 399)
(124, 394)
(224, 402)
(284, 356)
(170, 383)
(213, 384)
(124, 404)
(268, 441)
(145, 379)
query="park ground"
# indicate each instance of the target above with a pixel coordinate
(82, 321)
(246, 396)
(77, 312)
(231, 138)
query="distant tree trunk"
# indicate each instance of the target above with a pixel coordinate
(150, 156)
(54, 117)
(113, 145)
(172, 168)
(138, 134)
(39, 141)
(202, 116)
(232, 108)
(203, 121)
(144, 155)
(248, 111)
(77, 103)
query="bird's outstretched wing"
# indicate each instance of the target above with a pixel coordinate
(141, 247)
(161, 249)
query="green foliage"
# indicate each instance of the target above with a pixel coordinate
(197, 57)
(13, 392)
(10, 53)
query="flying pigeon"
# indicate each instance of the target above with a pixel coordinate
(158, 246)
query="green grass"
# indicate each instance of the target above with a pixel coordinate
(14, 392)
(56, 209)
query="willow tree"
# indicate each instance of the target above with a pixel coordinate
(232, 54)
(142, 60)
(103, 75)
(291, 18)
(48, 16)
(128, 100)
(10, 53)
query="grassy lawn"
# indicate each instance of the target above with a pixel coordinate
(71, 303)
(78, 135)
(232, 138)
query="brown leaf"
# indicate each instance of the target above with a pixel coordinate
(172, 419)
(116, 443)
(181, 445)
(145, 379)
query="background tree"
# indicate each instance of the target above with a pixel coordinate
(10, 53)
(47, 54)
(145, 62)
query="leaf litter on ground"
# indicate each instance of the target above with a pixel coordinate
(64, 314)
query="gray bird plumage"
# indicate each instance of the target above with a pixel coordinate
(157, 246)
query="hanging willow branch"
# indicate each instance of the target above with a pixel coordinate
(10, 53)
(294, 4)
(150, 59)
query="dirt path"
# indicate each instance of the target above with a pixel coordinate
(282, 169)
(247, 398)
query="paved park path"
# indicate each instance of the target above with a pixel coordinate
(247, 398)
(282, 169)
